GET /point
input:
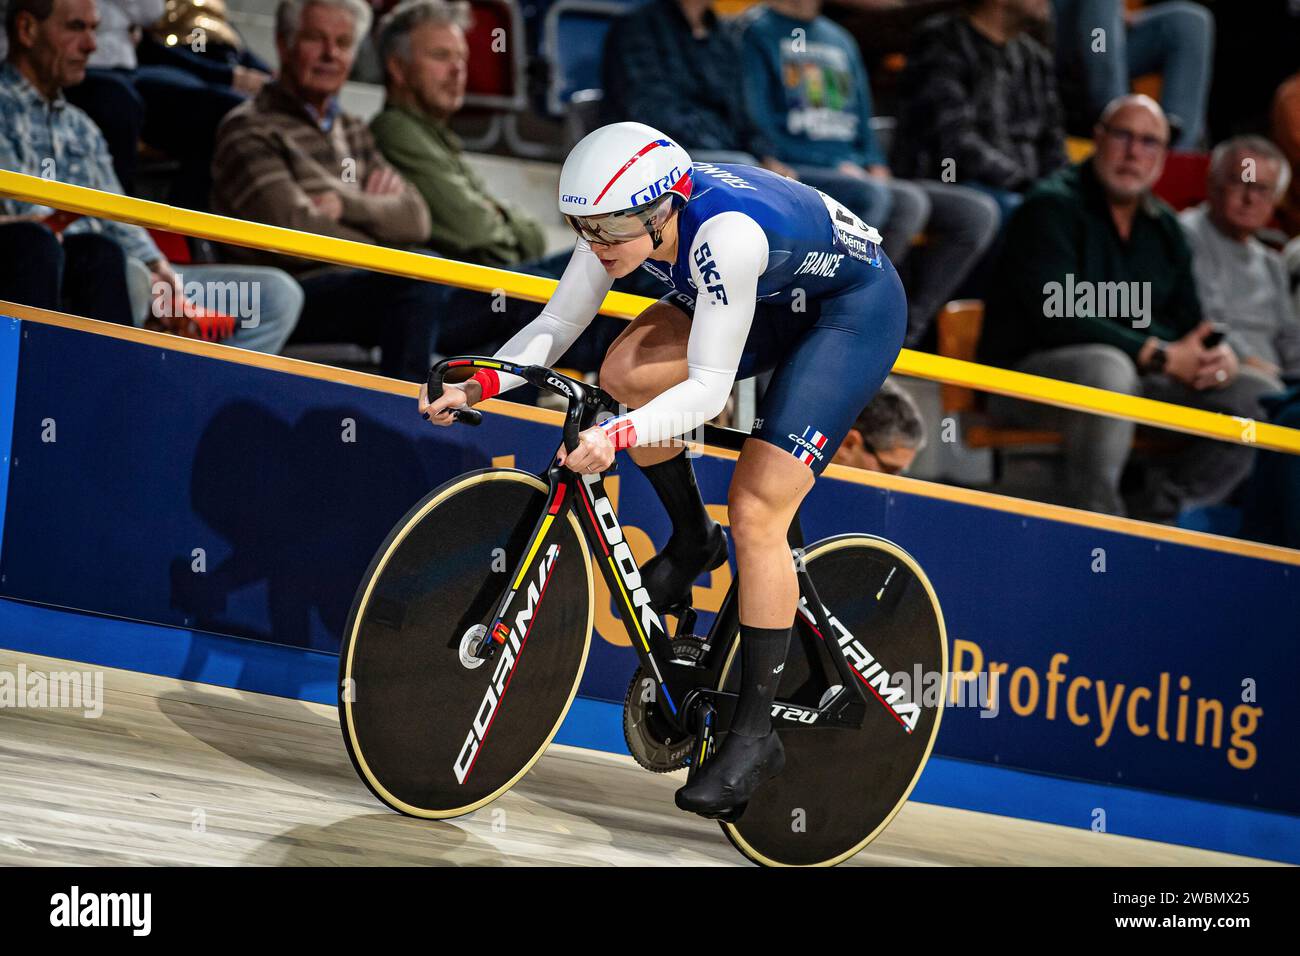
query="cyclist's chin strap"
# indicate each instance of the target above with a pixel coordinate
(657, 233)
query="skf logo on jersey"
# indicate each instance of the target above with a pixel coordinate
(576, 200)
(709, 274)
(807, 447)
(675, 181)
(824, 264)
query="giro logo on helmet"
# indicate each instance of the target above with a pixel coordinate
(674, 181)
(576, 200)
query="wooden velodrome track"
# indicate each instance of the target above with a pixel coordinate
(174, 772)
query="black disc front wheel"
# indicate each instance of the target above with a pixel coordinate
(432, 730)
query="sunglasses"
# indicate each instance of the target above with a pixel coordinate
(614, 228)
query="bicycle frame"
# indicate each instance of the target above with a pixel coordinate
(689, 691)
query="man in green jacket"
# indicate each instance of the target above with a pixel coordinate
(424, 53)
(1095, 286)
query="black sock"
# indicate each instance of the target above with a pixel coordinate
(762, 657)
(674, 482)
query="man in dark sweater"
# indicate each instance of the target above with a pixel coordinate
(978, 101)
(673, 65)
(1095, 286)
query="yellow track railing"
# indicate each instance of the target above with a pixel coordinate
(345, 252)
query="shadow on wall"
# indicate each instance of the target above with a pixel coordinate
(299, 516)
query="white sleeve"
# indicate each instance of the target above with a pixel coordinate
(570, 309)
(727, 258)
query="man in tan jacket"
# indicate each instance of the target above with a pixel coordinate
(290, 157)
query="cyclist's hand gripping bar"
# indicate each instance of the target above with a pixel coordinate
(580, 396)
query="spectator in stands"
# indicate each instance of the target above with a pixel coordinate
(1243, 284)
(978, 103)
(806, 88)
(422, 47)
(41, 134)
(84, 274)
(1101, 46)
(187, 88)
(1271, 503)
(116, 109)
(174, 110)
(290, 157)
(1286, 133)
(887, 435)
(673, 65)
(1095, 286)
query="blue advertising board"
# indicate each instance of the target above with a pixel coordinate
(154, 485)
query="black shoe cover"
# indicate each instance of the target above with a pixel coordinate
(728, 780)
(668, 576)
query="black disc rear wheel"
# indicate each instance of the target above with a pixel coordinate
(430, 734)
(841, 787)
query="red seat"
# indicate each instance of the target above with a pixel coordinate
(496, 44)
(172, 245)
(1183, 182)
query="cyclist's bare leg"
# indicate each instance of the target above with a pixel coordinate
(766, 490)
(647, 359)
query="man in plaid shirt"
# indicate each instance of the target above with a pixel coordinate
(84, 266)
(978, 99)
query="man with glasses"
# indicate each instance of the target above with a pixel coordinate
(1095, 286)
(1242, 283)
(887, 436)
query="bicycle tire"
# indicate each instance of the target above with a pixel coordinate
(414, 717)
(817, 811)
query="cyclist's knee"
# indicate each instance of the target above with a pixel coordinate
(620, 377)
(648, 358)
(755, 518)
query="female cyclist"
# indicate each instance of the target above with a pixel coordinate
(763, 273)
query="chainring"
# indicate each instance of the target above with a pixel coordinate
(651, 738)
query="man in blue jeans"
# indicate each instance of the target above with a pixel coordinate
(806, 89)
(1103, 46)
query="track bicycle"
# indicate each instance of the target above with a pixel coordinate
(470, 631)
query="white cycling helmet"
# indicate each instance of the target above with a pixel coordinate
(623, 181)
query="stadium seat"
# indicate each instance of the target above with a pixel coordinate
(573, 44)
(496, 81)
(496, 85)
(960, 324)
(1184, 181)
(1077, 149)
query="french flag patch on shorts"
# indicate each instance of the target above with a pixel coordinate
(808, 446)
